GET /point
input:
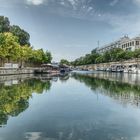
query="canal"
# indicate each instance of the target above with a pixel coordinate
(79, 106)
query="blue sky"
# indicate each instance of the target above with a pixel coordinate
(72, 28)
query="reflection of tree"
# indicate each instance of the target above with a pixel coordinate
(123, 92)
(14, 99)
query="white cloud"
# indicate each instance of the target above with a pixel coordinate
(114, 2)
(129, 24)
(35, 2)
(137, 2)
(73, 2)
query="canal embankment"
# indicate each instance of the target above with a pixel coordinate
(109, 64)
(16, 71)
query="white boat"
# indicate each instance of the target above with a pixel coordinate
(125, 70)
(134, 70)
(108, 69)
(138, 71)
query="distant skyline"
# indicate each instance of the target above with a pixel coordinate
(72, 28)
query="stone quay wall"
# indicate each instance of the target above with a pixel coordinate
(109, 64)
(16, 71)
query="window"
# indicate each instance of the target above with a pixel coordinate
(137, 42)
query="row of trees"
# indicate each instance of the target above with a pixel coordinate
(15, 45)
(115, 54)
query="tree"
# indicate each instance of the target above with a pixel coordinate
(2, 43)
(114, 53)
(23, 36)
(93, 57)
(26, 53)
(64, 61)
(107, 56)
(15, 45)
(47, 57)
(9, 47)
(121, 56)
(128, 55)
(137, 53)
(4, 24)
(39, 56)
(94, 51)
(100, 59)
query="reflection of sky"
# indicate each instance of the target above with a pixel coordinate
(70, 110)
(71, 28)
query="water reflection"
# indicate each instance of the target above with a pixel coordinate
(70, 110)
(14, 99)
(122, 88)
(133, 79)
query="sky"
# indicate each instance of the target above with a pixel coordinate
(71, 28)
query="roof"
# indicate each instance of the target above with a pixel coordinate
(46, 65)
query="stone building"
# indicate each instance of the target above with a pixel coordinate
(124, 43)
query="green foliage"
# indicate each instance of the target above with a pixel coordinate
(113, 55)
(100, 59)
(64, 61)
(15, 45)
(39, 56)
(23, 36)
(48, 57)
(137, 53)
(9, 47)
(4, 24)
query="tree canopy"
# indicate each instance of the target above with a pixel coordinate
(113, 55)
(64, 61)
(15, 45)
(4, 24)
(23, 36)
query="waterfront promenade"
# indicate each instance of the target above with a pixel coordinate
(109, 64)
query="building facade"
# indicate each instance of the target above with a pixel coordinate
(124, 43)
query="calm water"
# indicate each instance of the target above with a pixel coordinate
(81, 106)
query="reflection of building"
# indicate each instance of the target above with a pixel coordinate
(122, 88)
(124, 43)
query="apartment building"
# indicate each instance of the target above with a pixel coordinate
(124, 43)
